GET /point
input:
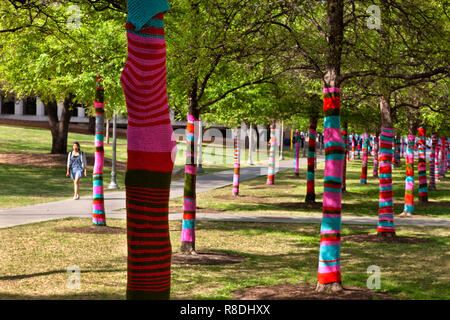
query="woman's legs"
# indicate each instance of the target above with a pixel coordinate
(76, 186)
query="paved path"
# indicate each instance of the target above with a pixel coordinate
(114, 201)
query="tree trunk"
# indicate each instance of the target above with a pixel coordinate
(59, 128)
(359, 144)
(237, 160)
(422, 166)
(436, 161)
(250, 145)
(281, 140)
(353, 146)
(432, 185)
(296, 141)
(376, 148)
(310, 190)
(344, 132)
(151, 153)
(447, 151)
(329, 270)
(98, 202)
(386, 205)
(409, 179)
(91, 125)
(365, 150)
(273, 143)
(397, 152)
(442, 167)
(107, 131)
(190, 177)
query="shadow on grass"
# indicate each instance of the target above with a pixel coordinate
(47, 273)
(92, 295)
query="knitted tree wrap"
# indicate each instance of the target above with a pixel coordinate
(376, 148)
(310, 191)
(409, 180)
(150, 150)
(431, 165)
(397, 151)
(272, 142)
(330, 232)
(386, 204)
(436, 160)
(365, 150)
(98, 203)
(359, 145)
(443, 158)
(190, 174)
(296, 141)
(344, 133)
(447, 152)
(237, 161)
(422, 165)
(349, 147)
(353, 146)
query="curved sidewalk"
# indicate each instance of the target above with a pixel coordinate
(115, 201)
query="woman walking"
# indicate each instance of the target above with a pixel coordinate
(76, 164)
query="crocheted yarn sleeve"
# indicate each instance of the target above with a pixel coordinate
(140, 12)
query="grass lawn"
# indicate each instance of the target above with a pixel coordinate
(288, 198)
(34, 259)
(28, 185)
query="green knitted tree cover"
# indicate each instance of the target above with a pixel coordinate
(151, 152)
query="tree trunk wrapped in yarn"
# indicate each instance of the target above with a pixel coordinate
(151, 151)
(365, 150)
(359, 145)
(422, 166)
(409, 180)
(310, 177)
(436, 161)
(443, 158)
(329, 270)
(376, 148)
(344, 170)
(237, 161)
(447, 151)
(98, 202)
(272, 143)
(353, 141)
(349, 147)
(386, 203)
(397, 152)
(431, 165)
(296, 142)
(189, 200)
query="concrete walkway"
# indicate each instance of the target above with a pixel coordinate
(114, 201)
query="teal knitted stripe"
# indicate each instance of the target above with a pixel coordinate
(140, 12)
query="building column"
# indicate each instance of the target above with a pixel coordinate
(18, 107)
(81, 113)
(60, 109)
(40, 108)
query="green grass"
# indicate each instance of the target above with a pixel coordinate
(359, 200)
(27, 185)
(34, 259)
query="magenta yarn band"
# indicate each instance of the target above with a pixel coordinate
(328, 90)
